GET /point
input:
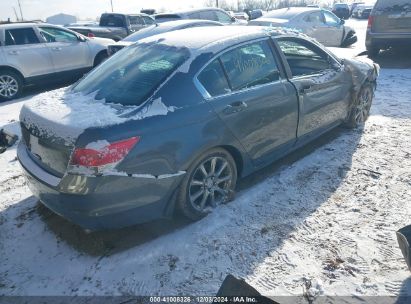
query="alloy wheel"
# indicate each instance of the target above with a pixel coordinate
(363, 107)
(8, 86)
(210, 184)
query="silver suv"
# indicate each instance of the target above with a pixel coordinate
(389, 25)
(33, 53)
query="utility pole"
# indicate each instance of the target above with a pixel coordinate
(216, 3)
(15, 13)
(111, 1)
(21, 12)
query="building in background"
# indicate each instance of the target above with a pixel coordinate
(61, 19)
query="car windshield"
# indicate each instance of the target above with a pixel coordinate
(282, 14)
(132, 75)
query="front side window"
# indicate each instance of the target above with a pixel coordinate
(148, 20)
(314, 18)
(52, 34)
(21, 36)
(250, 65)
(132, 75)
(303, 57)
(331, 19)
(135, 20)
(223, 18)
(213, 79)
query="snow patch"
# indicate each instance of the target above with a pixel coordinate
(65, 114)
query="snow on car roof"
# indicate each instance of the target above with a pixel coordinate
(205, 37)
(289, 13)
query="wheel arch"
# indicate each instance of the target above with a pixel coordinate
(100, 53)
(9, 68)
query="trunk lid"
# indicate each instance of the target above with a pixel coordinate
(51, 123)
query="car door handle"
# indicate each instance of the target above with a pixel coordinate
(305, 88)
(235, 107)
(57, 49)
(13, 52)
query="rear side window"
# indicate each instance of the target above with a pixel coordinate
(314, 18)
(21, 36)
(132, 75)
(213, 79)
(250, 65)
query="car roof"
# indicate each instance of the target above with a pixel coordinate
(24, 24)
(176, 23)
(214, 39)
(290, 11)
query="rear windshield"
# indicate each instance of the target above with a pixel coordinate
(166, 17)
(112, 20)
(282, 14)
(393, 5)
(132, 75)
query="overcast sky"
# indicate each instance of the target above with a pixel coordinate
(41, 9)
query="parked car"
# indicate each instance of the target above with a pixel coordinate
(115, 26)
(341, 10)
(213, 14)
(34, 53)
(320, 24)
(175, 119)
(159, 29)
(353, 6)
(389, 25)
(362, 11)
(241, 16)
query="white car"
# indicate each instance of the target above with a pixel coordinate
(33, 53)
(317, 23)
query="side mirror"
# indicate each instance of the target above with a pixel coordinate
(342, 21)
(81, 38)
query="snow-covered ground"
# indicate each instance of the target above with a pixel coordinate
(327, 214)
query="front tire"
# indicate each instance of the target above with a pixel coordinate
(209, 182)
(11, 85)
(100, 58)
(360, 110)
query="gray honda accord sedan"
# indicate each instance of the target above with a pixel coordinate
(172, 122)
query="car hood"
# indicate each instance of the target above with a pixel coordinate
(100, 41)
(64, 115)
(122, 43)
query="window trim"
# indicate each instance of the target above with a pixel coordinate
(208, 96)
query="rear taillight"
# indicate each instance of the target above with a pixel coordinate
(91, 35)
(102, 155)
(370, 22)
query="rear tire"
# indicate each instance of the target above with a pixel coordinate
(209, 182)
(360, 110)
(11, 85)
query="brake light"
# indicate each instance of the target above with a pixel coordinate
(91, 35)
(370, 21)
(109, 154)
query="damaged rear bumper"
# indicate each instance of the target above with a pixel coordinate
(101, 202)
